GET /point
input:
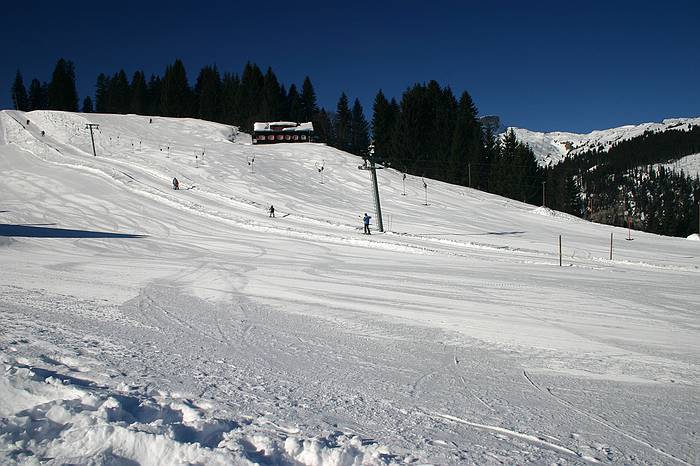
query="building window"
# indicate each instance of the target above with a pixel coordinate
(303, 137)
(295, 137)
(280, 137)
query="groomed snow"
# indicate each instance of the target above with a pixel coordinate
(152, 326)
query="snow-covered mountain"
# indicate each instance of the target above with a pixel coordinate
(144, 325)
(552, 148)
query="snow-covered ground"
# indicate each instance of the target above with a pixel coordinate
(552, 148)
(690, 165)
(146, 325)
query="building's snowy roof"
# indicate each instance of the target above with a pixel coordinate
(283, 125)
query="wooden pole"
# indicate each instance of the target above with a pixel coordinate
(559, 250)
(611, 239)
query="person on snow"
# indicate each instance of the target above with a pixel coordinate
(272, 211)
(176, 184)
(365, 221)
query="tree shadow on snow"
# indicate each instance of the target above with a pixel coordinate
(497, 233)
(34, 231)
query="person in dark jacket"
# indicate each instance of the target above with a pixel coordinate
(176, 184)
(365, 221)
(272, 211)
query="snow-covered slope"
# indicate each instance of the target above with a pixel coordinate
(690, 165)
(152, 326)
(552, 148)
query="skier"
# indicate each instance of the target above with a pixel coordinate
(176, 184)
(272, 211)
(365, 221)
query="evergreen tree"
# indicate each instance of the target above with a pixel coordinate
(20, 100)
(359, 130)
(38, 95)
(229, 90)
(284, 104)
(383, 122)
(294, 104)
(62, 94)
(101, 93)
(342, 124)
(155, 88)
(118, 93)
(308, 100)
(139, 94)
(323, 127)
(207, 93)
(272, 97)
(489, 154)
(466, 145)
(87, 105)
(250, 96)
(175, 97)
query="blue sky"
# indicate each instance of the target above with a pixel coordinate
(545, 65)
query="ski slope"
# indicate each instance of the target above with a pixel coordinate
(155, 326)
(553, 147)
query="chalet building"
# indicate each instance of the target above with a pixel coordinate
(282, 131)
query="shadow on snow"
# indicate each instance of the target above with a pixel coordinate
(33, 231)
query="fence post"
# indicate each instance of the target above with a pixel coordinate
(611, 238)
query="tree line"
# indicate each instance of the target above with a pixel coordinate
(226, 97)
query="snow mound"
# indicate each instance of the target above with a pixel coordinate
(547, 212)
(694, 237)
(49, 414)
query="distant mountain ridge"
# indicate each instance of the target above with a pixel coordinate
(553, 147)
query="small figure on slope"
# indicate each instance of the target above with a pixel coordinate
(365, 221)
(176, 184)
(272, 211)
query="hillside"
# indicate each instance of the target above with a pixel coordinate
(157, 326)
(551, 148)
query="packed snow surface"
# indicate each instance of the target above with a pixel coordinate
(552, 148)
(144, 325)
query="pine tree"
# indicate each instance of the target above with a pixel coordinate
(229, 89)
(294, 104)
(62, 94)
(382, 127)
(175, 97)
(87, 105)
(342, 124)
(466, 145)
(38, 95)
(272, 97)
(139, 94)
(308, 100)
(101, 93)
(118, 94)
(207, 93)
(155, 89)
(359, 130)
(323, 127)
(20, 100)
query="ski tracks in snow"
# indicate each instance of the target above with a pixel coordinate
(600, 420)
